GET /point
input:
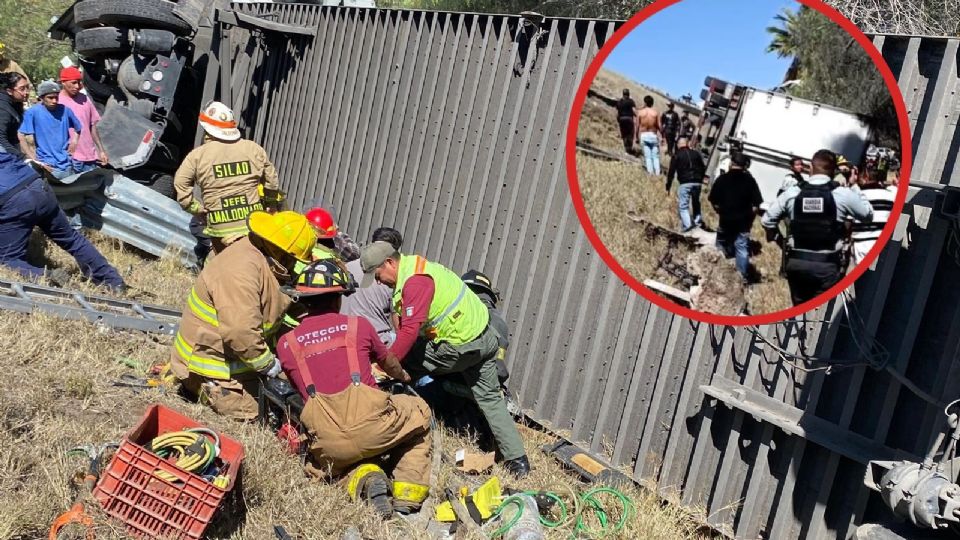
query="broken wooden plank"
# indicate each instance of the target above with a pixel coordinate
(668, 291)
(693, 239)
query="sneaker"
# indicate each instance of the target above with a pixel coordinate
(518, 467)
(58, 277)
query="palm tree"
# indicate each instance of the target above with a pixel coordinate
(786, 38)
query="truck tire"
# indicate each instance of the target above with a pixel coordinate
(131, 13)
(163, 184)
(86, 14)
(158, 181)
(94, 42)
(98, 91)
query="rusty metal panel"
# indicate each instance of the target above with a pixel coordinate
(450, 127)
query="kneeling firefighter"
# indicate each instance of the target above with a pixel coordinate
(234, 307)
(350, 421)
(332, 245)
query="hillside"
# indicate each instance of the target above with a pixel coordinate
(611, 189)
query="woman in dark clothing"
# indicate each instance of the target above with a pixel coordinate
(14, 89)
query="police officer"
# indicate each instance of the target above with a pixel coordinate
(480, 284)
(817, 212)
(229, 171)
(27, 201)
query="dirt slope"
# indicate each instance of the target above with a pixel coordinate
(610, 189)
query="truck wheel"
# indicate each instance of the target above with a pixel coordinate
(98, 91)
(86, 14)
(163, 184)
(158, 181)
(94, 42)
(132, 13)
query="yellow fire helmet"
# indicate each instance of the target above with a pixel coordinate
(289, 231)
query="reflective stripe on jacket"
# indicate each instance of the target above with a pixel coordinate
(456, 314)
(231, 311)
(228, 174)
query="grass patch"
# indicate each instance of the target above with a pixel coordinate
(153, 280)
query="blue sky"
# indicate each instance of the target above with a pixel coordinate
(680, 45)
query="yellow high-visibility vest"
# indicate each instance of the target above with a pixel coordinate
(456, 314)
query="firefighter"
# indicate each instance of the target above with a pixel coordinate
(331, 240)
(328, 247)
(233, 309)
(846, 172)
(454, 333)
(332, 243)
(817, 212)
(351, 422)
(230, 172)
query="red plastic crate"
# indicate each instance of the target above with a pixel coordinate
(150, 506)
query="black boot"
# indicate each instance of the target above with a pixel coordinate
(376, 491)
(518, 467)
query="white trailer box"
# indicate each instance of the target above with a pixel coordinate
(773, 127)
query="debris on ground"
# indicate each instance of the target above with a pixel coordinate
(474, 462)
(719, 289)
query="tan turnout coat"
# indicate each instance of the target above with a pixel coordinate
(234, 305)
(228, 174)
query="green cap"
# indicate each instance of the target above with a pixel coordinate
(371, 257)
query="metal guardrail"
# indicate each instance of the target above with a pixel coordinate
(130, 212)
(112, 312)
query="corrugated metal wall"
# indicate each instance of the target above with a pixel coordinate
(450, 128)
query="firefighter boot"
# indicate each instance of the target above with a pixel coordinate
(368, 482)
(408, 496)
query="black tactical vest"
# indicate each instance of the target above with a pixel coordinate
(814, 224)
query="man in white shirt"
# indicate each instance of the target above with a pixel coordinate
(872, 185)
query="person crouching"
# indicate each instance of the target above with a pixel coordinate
(350, 421)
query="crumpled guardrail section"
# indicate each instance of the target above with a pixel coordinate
(132, 213)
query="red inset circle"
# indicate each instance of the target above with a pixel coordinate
(735, 320)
